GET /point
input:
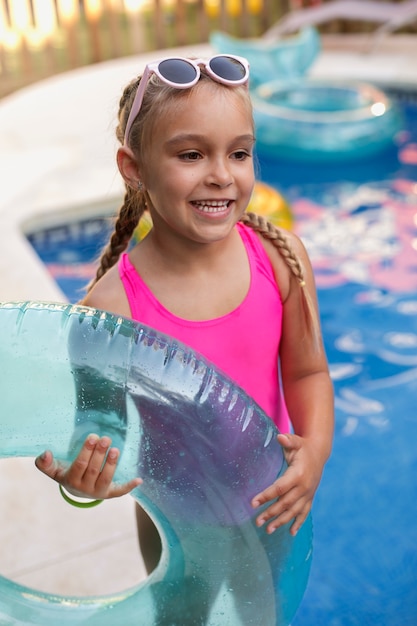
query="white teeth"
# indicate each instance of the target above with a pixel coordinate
(212, 206)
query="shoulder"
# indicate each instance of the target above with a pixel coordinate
(290, 245)
(108, 294)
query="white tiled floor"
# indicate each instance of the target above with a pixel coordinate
(57, 155)
(49, 545)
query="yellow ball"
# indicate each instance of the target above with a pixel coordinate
(143, 228)
(266, 201)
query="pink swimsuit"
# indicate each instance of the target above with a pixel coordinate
(243, 344)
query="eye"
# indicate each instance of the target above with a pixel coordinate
(192, 155)
(241, 155)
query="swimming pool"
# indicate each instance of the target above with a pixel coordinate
(359, 223)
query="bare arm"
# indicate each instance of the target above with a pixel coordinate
(91, 473)
(308, 392)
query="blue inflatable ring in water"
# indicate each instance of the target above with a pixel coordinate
(202, 446)
(311, 120)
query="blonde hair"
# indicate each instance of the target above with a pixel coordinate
(158, 98)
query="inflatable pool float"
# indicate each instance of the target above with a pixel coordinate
(269, 203)
(302, 119)
(265, 201)
(283, 58)
(201, 445)
(323, 121)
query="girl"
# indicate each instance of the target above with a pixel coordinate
(227, 283)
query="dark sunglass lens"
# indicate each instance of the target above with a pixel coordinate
(228, 68)
(177, 71)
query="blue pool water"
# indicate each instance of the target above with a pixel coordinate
(359, 223)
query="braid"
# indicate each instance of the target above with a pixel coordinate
(134, 202)
(128, 218)
(277, 238)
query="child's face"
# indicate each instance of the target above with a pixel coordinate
(199, 171)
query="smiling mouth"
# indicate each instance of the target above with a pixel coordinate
(211, 206)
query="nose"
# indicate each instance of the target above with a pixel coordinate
(219, 174)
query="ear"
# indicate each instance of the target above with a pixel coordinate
(128, 167)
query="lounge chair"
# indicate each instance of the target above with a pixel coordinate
(391, 16)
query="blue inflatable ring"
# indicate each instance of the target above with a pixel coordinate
(202, 446)
(321, 120)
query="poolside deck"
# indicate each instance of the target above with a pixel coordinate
(57, 159)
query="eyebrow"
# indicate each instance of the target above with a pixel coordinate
(196, 137)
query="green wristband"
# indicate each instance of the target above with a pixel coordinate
(78, 503)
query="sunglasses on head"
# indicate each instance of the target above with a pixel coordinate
(184, 73)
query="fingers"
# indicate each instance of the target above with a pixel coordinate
(286, 510)
(290, 444)
(94, 466)
(279, 488)
(286, 440)
(46, 463)
(289, 497)
(298, 522)
(122, 490)
(98, 463)
(91, 473)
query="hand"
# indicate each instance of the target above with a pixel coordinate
(295, 489)
(90, 475)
